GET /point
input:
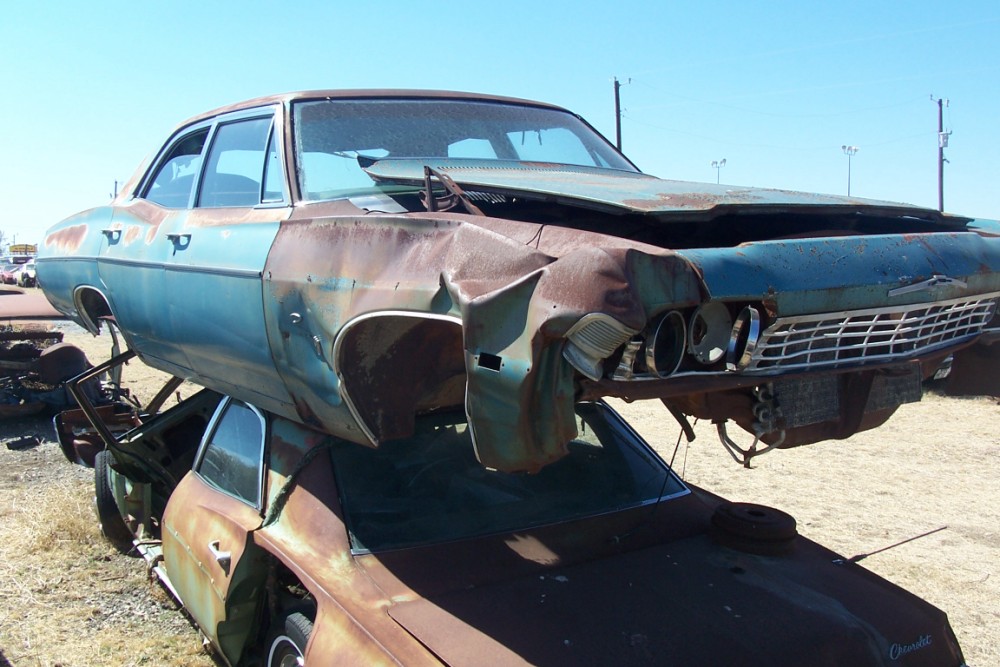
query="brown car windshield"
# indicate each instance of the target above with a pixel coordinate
(430, 488)
(333, 138)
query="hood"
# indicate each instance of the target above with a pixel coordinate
(622, 191)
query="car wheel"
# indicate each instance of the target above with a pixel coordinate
(288, 643)
(112, 524)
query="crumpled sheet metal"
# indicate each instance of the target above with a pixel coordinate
(515, 301)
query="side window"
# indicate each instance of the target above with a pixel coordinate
(174, 180)
(472, 148)
(235, 165)
(233, 457)
(556, 144)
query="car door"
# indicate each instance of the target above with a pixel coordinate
(136, 246)
(207, 547)
(215, 268)
(185, 265)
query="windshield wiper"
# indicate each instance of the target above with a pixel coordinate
(454, 197)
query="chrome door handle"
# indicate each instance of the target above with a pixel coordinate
(179, 238)
(223, 558)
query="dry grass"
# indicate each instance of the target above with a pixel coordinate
(66, 598)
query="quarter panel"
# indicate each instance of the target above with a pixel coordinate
(68, 258)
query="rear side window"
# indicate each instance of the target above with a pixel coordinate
(235, 166)
(233, 457)
(176, 175)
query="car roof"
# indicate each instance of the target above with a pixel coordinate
(363, 93)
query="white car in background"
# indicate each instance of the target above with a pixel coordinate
(26, 278)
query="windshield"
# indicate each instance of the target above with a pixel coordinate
(331, 136)
(430, 488)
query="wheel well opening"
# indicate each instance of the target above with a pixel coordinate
(397, 366)
(288, 593)
(92, 306)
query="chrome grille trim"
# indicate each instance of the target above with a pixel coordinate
(851, 338)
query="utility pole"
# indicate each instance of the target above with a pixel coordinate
(618, 114)
(942, 144)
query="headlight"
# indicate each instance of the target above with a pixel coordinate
(743, 339)
(665, 348)
(709, 332)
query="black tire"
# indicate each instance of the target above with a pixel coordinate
(112, 524)
(755, 521)
(287, 646)
(753, 528)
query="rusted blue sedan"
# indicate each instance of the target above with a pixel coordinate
(352, 259)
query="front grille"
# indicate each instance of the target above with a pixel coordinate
(866, 336)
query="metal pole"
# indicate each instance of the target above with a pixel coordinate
(849, 151)
(618, 114)
(718, 165)
(940, 154)
(848, 174)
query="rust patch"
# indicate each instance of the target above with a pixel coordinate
(68, 239)
(701, 201)
(151, 234)
(131, 235)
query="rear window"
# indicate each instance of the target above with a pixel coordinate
(430, 488)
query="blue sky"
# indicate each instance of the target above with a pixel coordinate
(775, 88)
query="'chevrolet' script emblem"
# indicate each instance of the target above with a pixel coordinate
(897, 651)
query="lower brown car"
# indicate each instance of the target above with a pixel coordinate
(289, 546)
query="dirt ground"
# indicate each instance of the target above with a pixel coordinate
(66, 598)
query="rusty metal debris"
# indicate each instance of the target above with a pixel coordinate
(26, 442)
(30, 379)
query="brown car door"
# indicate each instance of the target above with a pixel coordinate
(208, 521)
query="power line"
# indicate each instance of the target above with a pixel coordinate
(743, 144)
(776, 114)
(743, 57)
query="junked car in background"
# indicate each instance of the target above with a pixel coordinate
(9, 274)
(26, 275)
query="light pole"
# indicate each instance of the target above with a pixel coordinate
(850, 152)
(718, 165)
(942, 144)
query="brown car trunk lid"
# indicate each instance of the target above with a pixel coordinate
(686, 603)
